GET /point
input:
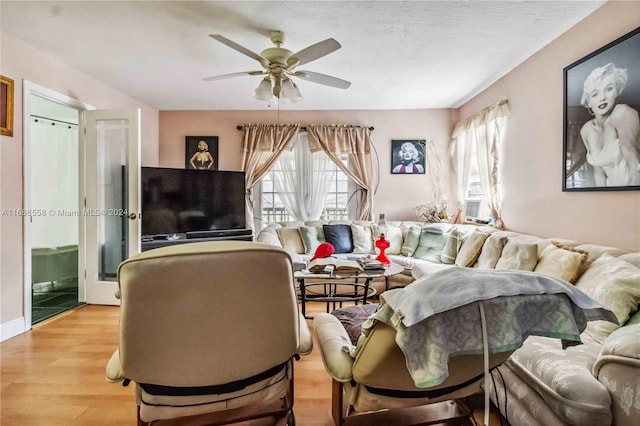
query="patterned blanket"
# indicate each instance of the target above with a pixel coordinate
(438, 316)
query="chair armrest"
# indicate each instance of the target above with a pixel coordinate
(622, 346)
(306, 341)
(114, 372)
(332, 339)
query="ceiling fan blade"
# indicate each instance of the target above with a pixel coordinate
(235, 74)
(241, 49)
(327, 80)
(316, 51)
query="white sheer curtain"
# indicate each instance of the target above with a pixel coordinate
(299, 177)
(461, 151)
(54, 183)
(486, 131)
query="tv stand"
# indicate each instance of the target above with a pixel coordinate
(149, 243)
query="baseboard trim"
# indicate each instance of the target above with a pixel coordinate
(12, 328)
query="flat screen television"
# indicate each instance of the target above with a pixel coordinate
(191, 202)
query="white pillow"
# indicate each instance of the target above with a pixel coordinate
(491, 252)
(393, 234)
(518, 255)
(471, 248)
(291, 239)
(362, 240)
(615, 284)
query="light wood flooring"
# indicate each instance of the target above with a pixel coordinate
(54, 375)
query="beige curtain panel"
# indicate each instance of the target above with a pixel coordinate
(261, 146)
(355, 143)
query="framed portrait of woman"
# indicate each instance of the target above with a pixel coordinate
(201, 152)
(601, 141)
(407, 156)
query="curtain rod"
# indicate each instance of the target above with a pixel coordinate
(52, 119)
(304, 129)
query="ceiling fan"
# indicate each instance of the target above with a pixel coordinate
(279, 65)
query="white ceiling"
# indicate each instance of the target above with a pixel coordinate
(397, 54)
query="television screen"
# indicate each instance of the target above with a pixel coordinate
(181, 201)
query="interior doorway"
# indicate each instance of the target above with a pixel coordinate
(54, 187)
(54, 192)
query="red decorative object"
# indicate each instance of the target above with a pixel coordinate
(382, 244)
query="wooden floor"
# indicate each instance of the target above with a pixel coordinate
(54, 375)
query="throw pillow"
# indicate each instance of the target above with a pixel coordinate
(518, 255)
(411, 241)
(339, 236)
(615, 284)
(291, 240)
(471, 248)
(430, 245)
(491, 252)
(561, 262)
(312, 236)
(393, 234)
(362, 241)
(452, 246)
(269, 236)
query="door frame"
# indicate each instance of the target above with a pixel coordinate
(28, 89)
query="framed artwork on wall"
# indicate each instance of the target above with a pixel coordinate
(6, 106)
(407, 156)
(201, 152)
(601, 140)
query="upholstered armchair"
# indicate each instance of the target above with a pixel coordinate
(208, 332)
(436, 340)
(375, 387)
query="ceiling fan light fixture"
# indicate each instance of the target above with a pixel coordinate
(263, 91)
(290, 91)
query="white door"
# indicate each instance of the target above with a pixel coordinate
(112, 209)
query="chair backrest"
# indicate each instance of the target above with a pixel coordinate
(201, 314)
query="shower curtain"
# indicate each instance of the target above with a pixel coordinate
(54, 183)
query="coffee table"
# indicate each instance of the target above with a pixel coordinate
(334, 289)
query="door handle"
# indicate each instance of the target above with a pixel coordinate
(132, 216)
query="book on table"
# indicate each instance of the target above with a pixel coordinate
(335, 265)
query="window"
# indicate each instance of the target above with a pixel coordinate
(303, 186)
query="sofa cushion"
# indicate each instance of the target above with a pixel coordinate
(424, 269)
(561, 262)
(431, 243)
(614, 283)
(471, 248)
(491, 252)
(563, 378)
(518, 255)
(311, 236)
(339, 235)
(269, 235)
(291, 239)
(452, 246)
(362, 240)
(393, 234)
(411, 241)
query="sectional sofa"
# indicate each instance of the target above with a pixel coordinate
(595, 383)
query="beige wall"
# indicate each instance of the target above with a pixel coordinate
(532, 158)
(20, 61)
(397, 195)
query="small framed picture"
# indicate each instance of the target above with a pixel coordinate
(407, 156)
(201, 152)
(6, 106)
